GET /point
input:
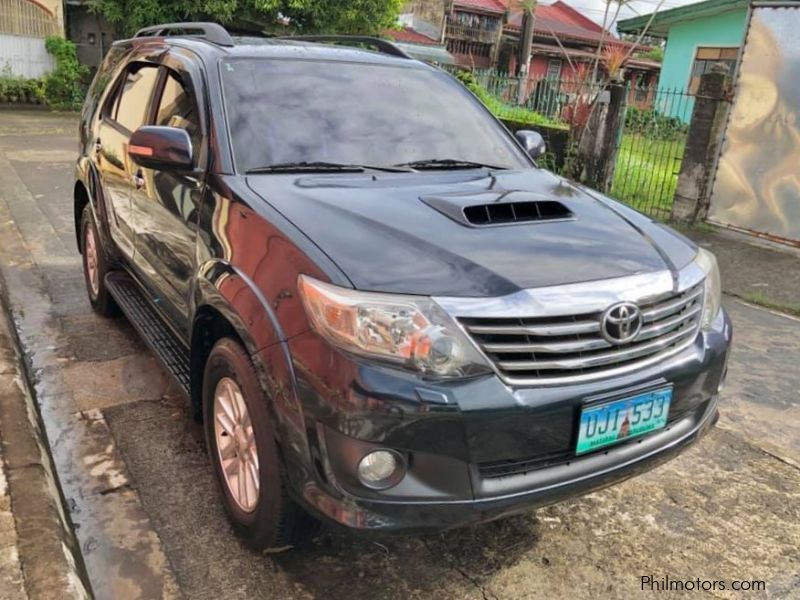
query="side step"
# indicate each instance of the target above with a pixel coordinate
(148, 323)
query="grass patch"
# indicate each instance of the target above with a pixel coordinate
(520, 114)
(760, 299)
(647, 172)
(502, 110)
(698, 227)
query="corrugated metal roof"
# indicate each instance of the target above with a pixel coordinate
(666, 18)
(491, 6)
(564, 22)
(410, 36)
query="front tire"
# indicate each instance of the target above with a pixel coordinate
(95, 267)
(242, 448)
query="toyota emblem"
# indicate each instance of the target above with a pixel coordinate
(621, 323)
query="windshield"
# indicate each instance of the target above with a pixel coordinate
(287, 111)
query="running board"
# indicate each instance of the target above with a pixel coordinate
(148, 323)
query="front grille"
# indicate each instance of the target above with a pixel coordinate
(571, 348)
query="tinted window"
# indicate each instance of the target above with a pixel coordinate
(132, 105)
(177, 109)
(286, 111)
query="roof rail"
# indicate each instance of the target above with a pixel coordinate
(379, 44)
(211, 32)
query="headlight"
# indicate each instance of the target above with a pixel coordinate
(411, 331)
(713, 296)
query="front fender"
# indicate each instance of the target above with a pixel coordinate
(236, 297)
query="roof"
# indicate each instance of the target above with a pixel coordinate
(407, 35)
(641, 64)
(265, 47)
(562, 20)
(667, 18)
(430, 54)
(489, 6)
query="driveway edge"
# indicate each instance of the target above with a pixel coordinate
(49, 554)
(113, 538)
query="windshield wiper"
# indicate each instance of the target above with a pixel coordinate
(320, 167)
(447, 163)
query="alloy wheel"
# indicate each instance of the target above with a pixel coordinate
(236, 444)
(92, 261)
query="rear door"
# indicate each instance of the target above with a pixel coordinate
(165, 204)
(125, 111)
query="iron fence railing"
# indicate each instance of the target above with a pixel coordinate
(650, 142)
(650, 149)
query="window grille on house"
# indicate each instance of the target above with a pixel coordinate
(554, 68)
(705, 60)
(26, 18)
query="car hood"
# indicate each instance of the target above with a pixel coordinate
(393, 233)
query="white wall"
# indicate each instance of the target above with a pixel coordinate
(26, 56)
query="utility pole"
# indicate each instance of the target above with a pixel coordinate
(526, 40)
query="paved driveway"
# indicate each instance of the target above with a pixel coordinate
(140, 492)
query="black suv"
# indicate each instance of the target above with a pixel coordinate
(385, 314)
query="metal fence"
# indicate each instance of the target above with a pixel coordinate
(650, 148)
(650, 142)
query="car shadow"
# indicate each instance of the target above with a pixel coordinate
(448, 564)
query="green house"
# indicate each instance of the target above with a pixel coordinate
(698, 36)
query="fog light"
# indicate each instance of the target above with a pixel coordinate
(381, 469)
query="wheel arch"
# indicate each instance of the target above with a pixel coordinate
(226, 304)
(80, 197)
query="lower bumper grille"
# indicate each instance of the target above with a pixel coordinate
(571, 348)
(521, 466)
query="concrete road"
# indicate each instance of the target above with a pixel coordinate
(140, 489)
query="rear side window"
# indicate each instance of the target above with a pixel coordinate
(133, 98)
(101, 80)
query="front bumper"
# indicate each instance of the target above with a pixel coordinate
(546, 486)
(450, 432)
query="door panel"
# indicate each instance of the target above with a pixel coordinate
(165, 212)
(114, 169)
(126, 111)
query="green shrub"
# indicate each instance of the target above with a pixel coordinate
(65, 86)
(654, 124)
(18, 90)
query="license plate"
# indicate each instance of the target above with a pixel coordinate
(612, 422)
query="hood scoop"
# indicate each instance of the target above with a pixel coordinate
(486, 209)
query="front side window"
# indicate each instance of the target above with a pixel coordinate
(177, 109)
(133, 99)
(287, 111)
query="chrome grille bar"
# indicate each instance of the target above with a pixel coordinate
(565, 348)
(543, 330)
(598, 359)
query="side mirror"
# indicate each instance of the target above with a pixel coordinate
(532, 141)
(161, 148)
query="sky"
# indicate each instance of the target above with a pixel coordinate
(594, 8)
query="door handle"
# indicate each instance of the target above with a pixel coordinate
(138, 180)
(98, 145)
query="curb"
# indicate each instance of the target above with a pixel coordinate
(117, 547)
(49, 551)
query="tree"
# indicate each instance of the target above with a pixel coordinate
(655, 53)
(302, 16)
